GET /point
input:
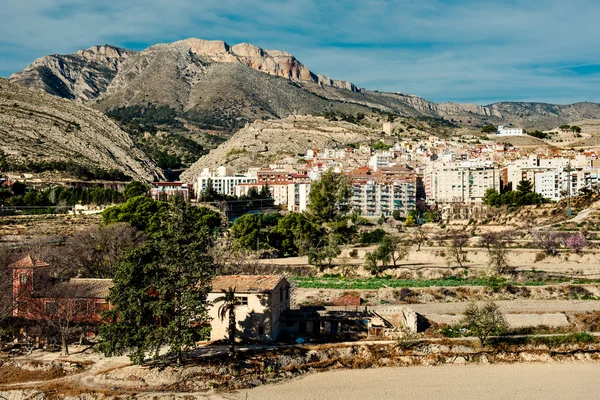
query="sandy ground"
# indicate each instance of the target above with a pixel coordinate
(514, 306)
(516, 381)
(428, 259)
(519, 313)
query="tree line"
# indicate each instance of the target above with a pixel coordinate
(522, 196)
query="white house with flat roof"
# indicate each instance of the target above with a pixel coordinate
(505, 131)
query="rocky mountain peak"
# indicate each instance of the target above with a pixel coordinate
(105, 52)
(82, 76)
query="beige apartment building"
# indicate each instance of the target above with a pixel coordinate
(460, 182)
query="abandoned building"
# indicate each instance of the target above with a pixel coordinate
(261, 302)
(39, 295)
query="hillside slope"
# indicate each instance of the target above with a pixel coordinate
(264, 142)
(35, 126)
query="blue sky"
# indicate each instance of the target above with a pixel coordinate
(463, 51)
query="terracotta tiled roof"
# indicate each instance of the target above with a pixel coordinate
(246, 283)
(77, 288)
(28, 262)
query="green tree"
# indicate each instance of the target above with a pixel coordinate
(565, 127)
(246, 231)
(227, 309)
(431, 216)
(294, 235)
(525, 186)
(325, 252)
(489, 129)
(141, 212)
(329, 199)
(160, 288)
(265, 193)
(485, 320)
(210, 193)
(390, 250)
(134, 189)
(491, 197)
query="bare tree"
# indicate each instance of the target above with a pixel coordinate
(420, 236)
(64, 313)
(550, 241)
(498, 247)
(456, 253)
(232, 260)
(400, 249)
(7, 302)
(485, 320)
(93, 253)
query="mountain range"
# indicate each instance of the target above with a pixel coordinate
(211, 85)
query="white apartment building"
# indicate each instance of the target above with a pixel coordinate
(464, 182)
(373, 198)
(223, 180)
(554, 184)
(505, 131)
(297, 197)
(279, 193)
(380, 159)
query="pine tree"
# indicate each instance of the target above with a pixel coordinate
(160, 288)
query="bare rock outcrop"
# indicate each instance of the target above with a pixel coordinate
(82, 76)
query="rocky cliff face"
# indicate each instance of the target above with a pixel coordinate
(82, 76)
(36, 126)
(272, 62)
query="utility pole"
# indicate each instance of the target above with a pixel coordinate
(569, 212)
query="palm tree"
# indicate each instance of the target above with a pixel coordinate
(230, 302)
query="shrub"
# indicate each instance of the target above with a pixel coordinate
(373, 237)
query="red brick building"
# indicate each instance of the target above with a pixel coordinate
(38, 295)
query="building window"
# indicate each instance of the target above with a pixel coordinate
(242, 300)
(22, 307)
(23, 278)
(81, 306)
(51, 308)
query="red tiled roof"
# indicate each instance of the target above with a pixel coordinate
(28, 262)
(246, 283)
